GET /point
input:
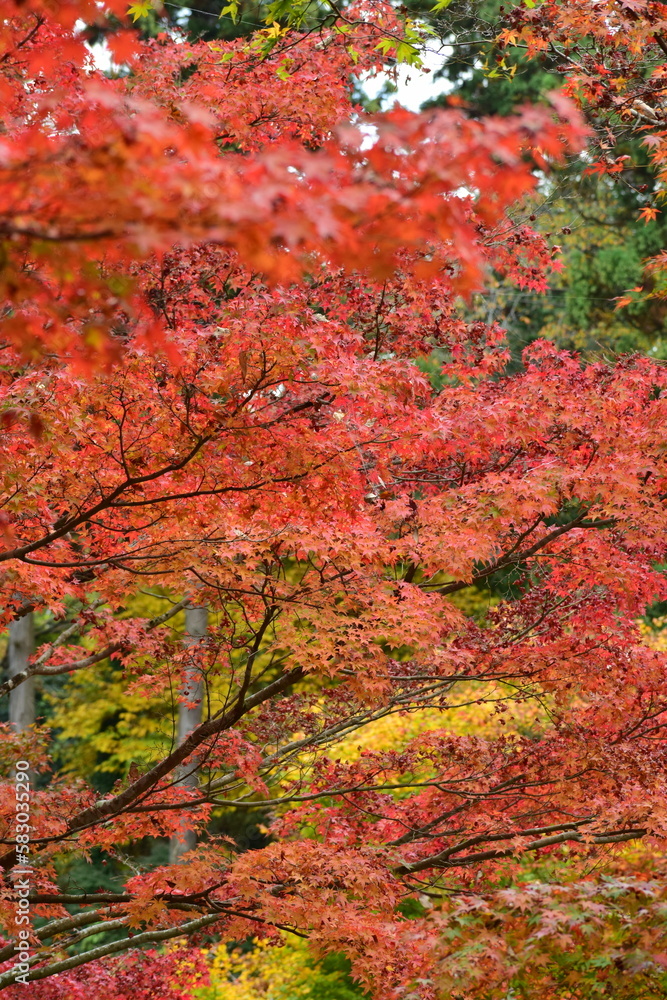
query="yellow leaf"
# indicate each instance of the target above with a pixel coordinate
(141, 8)
(275, 31)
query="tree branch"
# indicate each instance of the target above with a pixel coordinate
(441, 860)
(38, 670)
(143, 785)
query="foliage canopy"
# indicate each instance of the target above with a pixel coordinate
(429, 705)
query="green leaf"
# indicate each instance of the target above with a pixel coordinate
(385, 45)
(232, 9)
(405, 52)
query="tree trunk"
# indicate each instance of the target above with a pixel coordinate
(22, 698)
(189, 716)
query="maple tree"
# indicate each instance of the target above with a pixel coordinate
(595, 218)
(613, 56)
(218, 277)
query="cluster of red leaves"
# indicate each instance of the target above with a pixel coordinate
(612, 54)
(579, 936)
(139, 975)
(96, 174)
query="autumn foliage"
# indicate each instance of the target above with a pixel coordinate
(423, 668)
